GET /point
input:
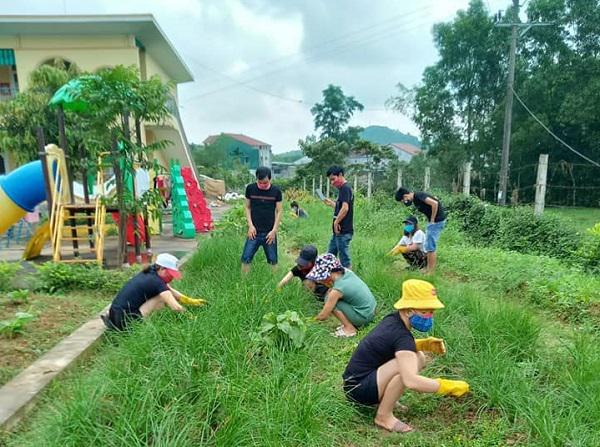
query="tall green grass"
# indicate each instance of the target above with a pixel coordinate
(198, 379)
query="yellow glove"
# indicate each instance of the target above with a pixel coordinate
(192, 301)
(397, 250)
(454, 388)
(293, 214)
(431, 344)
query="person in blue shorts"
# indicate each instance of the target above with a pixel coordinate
(436, 218)
(263, 213)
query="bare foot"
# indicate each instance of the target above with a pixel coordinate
(393, 425)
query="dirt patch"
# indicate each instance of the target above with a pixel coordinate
(56, 317)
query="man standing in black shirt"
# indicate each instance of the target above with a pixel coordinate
(343, 228)
(436, 218)
(263, 214)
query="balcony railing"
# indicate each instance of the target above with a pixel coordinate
(7, 93)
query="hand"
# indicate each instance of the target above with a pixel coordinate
(271, 235)
(431, 344)
(184, 299)
(337, 228)
(327, 201)
(251, 232)
(320, 317)
(455, 388)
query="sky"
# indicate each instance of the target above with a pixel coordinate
(260, 65)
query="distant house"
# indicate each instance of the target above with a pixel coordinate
(405, 151)
(242, 148)
(282, 169)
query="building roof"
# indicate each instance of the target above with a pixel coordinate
(406, 147)
(303, 161)
(142, 26)
(237, 136)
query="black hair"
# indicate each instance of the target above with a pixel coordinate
(294, 204)
(150, 267)
(400, 194)
(335, 170)
(338, 269)
(262, 173)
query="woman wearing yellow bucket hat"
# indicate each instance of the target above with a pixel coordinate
(388, 360)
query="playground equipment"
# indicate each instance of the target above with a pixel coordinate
(183, 224)
(197, 204)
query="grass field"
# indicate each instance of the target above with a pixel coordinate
(581, 218)
(199, 379)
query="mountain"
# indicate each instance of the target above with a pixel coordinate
(385, 135)
(288, 157)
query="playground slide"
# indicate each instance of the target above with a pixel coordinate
(20, 191)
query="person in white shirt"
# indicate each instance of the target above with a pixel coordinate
(411, 244)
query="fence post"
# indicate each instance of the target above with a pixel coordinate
(369, 184)
(321, 183)
(313, 186)
(399, 179)
(540, 185)
(355, 183)
(482, 194)
(327, 189)
(427, 179)
(467, 179)
(304, 184)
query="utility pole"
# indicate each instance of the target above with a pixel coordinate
(515, 25)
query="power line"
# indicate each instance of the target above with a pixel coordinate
(552, 133)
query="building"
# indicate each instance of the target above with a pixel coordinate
(404, 152)
(247, 151)
(91, 43)
(283, 170)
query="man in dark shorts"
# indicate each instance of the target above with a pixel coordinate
(388, 360)
(145, 293)
(343, 215)
(436, 218)
(304, 264)
(263, 214)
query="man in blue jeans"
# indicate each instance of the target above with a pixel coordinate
(342, 216)
(436, 218)
(263, 214)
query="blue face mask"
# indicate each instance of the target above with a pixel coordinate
(420, 323)
(409, 228)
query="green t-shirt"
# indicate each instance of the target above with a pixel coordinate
(356, 293)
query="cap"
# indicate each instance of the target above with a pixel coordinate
(412, 219)
(307, 256)
(324, 264)
(168, 262)
(418, 294)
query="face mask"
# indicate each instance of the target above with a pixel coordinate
(166, 276)
(421, 323)
(263, 186)
(407, 202)
(338, 183)
(409, 228)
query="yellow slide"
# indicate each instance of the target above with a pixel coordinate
(37, 241)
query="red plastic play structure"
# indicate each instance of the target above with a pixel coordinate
(130, 228)
(200, 212)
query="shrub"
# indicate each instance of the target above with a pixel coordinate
(59, 277)
(14, 327)
(282, 331)
(7, 273)
(589, 249)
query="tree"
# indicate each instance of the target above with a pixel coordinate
(333, 114)
(324, 153)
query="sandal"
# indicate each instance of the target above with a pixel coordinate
(341, 333)
(399, 427)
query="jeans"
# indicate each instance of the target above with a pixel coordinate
(252, 245)
(339, 246)
(434, 230)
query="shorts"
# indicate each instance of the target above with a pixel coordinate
(355, 318)
(252, 245)
(416, 259)
(363, 391)
(339, 246)
(434, 230)
(120, 318)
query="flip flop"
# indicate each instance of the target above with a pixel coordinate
(340, 333)
(399, 427)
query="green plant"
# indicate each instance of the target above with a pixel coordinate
(282, 331)
(18, 296)
(7, 274)
(60, 277)
(12, 328)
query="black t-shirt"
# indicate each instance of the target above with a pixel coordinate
(262, 206)
(138, 290)
(419, 202)
(345, 195)
(320, 289)
(379, 347)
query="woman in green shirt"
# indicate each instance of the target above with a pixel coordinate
(349, 299)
